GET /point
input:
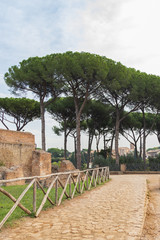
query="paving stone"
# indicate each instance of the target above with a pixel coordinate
(114, 210)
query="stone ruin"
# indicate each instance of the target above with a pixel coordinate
(20, 158)
(65, 166)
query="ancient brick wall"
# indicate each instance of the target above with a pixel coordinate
(16, 149)
(41, 163)
(8, 136)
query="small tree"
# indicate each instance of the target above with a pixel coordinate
(39, 76)
(132, 129)
(19, 111)
(98, 120)
(63, 111)
(82, 73)
(119, 89)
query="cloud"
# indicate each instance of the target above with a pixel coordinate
(34, 27)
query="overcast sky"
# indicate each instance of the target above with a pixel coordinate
(123, 30)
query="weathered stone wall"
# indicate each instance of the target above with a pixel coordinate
(14, 172)
(8, 136)
(41, 163)
(16, 149)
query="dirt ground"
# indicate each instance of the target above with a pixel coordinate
(151, 229)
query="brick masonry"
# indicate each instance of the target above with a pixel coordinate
(41, 163)
(14, 172)
(18, 149)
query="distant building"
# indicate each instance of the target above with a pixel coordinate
(123, 151)
(153, 153)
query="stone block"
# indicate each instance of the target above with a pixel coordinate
(8, 136)
(16, 149)
(12, 173)
(41, 163)
(2, 173)
(66, 166)
(123, 167)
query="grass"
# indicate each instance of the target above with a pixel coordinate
(27, 201)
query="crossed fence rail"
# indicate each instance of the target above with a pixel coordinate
(80, 180)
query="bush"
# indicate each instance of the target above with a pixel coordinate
(103, 162)
(57, 163)
(1, 163)
(154, 163)
(132, 163)
(100, 161)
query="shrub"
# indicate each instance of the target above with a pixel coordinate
(57, 163)
(132, 163)
(103, 162)
(154, 163)
(100, 160)
(1, 163)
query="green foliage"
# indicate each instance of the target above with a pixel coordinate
(81, 76)
(133, 164)
(84, 166)
(36, 74)
(62, 109)
(100, 161)
(155, 148)
(57, 163)
(1, 163)
(83, 158)
(129, 158)
(154, 163)
(57, 154)
(99, 117)
(103, 162)
(22, 110)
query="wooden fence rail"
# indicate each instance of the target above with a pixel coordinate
(81, 180)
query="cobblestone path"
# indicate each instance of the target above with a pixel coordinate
(112, 211)
(151, 229)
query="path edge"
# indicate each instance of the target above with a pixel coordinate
(146, 204)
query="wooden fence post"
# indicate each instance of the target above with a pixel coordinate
(91, 179)
(79, 183)
(70, 187)
(34, 195)
(56, 191)
(87, 180)
(107, 172)
(16, 203)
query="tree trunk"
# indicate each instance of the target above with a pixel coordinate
(90, 139)
(117, 137)
(65, 141)
(78, 142)
(78, 129)
(97, 142)
(112, 144)
(144, 137)
(104, 142)
(158, 136)
(140, 147)
(135, 150)
(75, 149)
(42, 109)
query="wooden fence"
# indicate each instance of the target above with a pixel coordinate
(80, 180)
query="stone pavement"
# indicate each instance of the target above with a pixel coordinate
(151, 229)
(112, 211)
